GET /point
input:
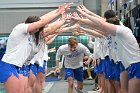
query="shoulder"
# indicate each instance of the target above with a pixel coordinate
(80, 45)
(122, 29)
(63, 47)
(22, 27)
(19, 31)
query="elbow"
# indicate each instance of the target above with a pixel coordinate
(48, 43)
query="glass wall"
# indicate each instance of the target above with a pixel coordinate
(60, 40)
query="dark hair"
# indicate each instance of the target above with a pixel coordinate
(72, 41)
(113, 20)
(109, 14)
(32, 19)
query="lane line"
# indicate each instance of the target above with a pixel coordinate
(48, 87)
(92, 92)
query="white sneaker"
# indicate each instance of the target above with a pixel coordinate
(78, 90)
(90, 78)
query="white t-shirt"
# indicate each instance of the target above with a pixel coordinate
(102, 47)
(73, 59)
(96, 48)
(107, 45)
(114, 50)
(46, 57)
(19, 46)
(41, 54)
(127, 46)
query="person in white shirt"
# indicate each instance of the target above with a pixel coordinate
(41, 72)
(20, 46)
(74, 53)
(128, 50)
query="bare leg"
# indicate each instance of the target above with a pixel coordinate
(31, 82)
(102, 82)
(117, 87)
(24, 82)
(99, 81)
(40, 82)
(109, 86)
(112, 86)
(10, 88)
(79, 85)
(106, 87)
(70, 85)
(134, 85)
(124, 82)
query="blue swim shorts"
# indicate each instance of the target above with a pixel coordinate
(42, 69)
(118, 68)
(74, 73)
(108, 68)
(6, 70)
(134, 70)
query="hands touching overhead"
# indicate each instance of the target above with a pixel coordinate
(68, 21)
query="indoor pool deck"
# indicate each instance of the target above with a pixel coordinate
(62, 87)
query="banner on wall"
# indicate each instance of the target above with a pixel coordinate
(111, 1)
(128, 1)
(36, 3)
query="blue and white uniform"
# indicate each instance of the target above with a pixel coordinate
(129, 49)
(17, 51)
(73, 60)
(39, 61)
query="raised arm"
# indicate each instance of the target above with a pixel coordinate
(99, 24)
(52, 28)
(53, 14)
(82, 20)
(49, 39)
(90, 13)
(45, 19)
(91, 32)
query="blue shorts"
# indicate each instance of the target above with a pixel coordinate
(134, 70)
(108, 68)
(103, 64)
(25, 70)
(118, 68)
(6, 70)
(96, 69)
(34, 68)
(74, 73)
(101, 67)
(42, 69)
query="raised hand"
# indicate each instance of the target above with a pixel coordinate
(76, 27)
(63, 29)
(66, 6)
(75, 16)
(83, 8)
(79, 9)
